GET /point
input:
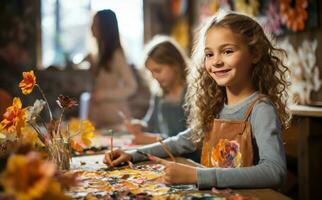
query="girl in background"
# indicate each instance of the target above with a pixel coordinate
(236, 107)
(114, 81)
(167, 63)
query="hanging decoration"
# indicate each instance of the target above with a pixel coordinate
(181, 33)
(250, 7)
(225, 4)
(304, 70)
(179, 7)
(207, 9)
(273, 20)
(294, 14)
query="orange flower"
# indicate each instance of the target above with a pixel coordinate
(28, 82)
(294, 17)
(14, 117)
(76, 146)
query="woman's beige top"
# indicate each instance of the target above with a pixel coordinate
(111, 90)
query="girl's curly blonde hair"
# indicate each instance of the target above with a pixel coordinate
(205, 99)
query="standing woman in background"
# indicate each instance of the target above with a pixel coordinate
(113, 79)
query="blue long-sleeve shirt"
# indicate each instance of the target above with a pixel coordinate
(166, 118)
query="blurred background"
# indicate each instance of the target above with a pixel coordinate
(53, 38)
(56, 34)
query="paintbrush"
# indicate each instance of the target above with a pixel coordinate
(143, 153)
(149, 156)
(131, 165)
(166, 149)
(110, 132)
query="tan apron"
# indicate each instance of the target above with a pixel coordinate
(228, 144)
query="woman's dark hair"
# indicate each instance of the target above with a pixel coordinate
(109, 39)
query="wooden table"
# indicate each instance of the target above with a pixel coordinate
(304, 142)
(95, 162)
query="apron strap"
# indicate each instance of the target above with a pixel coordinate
(251, 106)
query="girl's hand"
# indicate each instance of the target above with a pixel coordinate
(116, 157)
(177, 173)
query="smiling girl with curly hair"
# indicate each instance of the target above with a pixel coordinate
(236, 103)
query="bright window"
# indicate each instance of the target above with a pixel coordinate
(66, 35)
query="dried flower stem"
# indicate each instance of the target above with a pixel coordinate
(68, 133)
(41, 137)
(43, 122)
(59, 123)
(60, 154)
(44, 97)
(77, 133)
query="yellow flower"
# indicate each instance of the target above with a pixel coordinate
(29, 135)
(27, 177)
(87, 132)
(74, 125)
(87, 126)
(28, 82)
(14, 117)
(84, 128)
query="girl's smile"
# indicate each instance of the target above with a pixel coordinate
(221, 73)
(227, 58)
